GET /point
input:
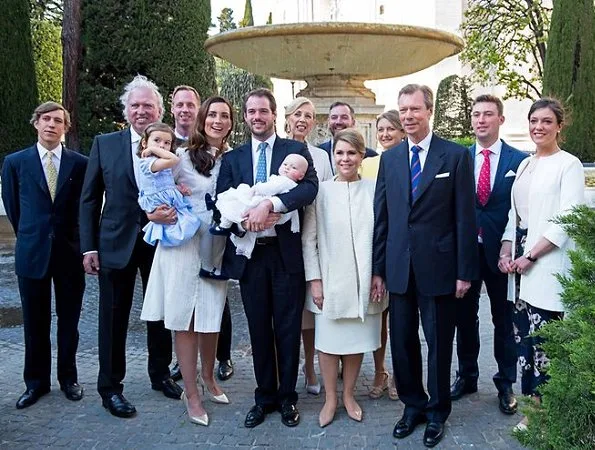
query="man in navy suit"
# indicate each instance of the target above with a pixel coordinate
(425, 250)
(341, 116)
(114, 249)
(41, 188)
(496, 164)
(272, 280)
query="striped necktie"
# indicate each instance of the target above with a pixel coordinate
(51, 174)
(415, 171)
(261, 166)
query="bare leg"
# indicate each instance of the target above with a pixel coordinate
(207, 343)
(186, 343)
(308, 340)
(329, 366)
(351, 367)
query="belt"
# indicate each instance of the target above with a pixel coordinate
(269, 240)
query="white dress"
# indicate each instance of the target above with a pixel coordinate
(175, 292)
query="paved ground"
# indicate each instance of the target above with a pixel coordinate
(162, 423)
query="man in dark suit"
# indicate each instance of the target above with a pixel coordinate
(496, 164)
(341, 116)
(426, 251)
(272, 280)
(41, 188)
(185, 102)
(113, 247)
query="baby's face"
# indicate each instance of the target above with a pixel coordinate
(294, 167)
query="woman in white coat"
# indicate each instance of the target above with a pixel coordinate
(547, 185)
(337, 247)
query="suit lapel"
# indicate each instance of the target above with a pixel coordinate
(66, 165)
(278, 155)
(35, 169)
(433, 163)
(246, 165)
(126, 148)
(503, 164)
(402, 172)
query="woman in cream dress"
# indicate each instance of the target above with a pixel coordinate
(547, 185)
(188, 304)
(300, 117)
(337, 246)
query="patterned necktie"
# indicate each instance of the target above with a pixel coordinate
(261, 166)
(415, 170)
(483, 183)
(51, 173)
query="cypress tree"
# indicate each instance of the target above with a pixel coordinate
(162, 39)
(17, 77)
(452, 115)
(569, 69)
(248, 20)
(47, 53)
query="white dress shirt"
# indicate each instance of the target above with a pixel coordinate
(495, 150)
(423, 153)
(56, 155)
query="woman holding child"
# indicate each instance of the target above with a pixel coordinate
(190, 305)
(337, 247)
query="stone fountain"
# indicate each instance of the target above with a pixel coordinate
(335, 59)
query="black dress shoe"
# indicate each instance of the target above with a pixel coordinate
(72, 391)
(507, 402)
(169, 388)
(407, 424)
(118, 406)
(30, 397)
(433, 434)
(176, 375)
(225, 370)
(290, 416)
(255, 416)
(462, 386)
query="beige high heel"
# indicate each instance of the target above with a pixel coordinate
(221, 398)
(199, 420)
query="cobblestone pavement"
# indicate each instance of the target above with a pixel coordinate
(55, 422)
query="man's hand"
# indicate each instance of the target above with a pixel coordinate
(462, 288)
(164, 215)
(378, 291)
(184, 190)
(316, 291)
(91, 263)
(260, 217)
(505, 264)
(521, 265)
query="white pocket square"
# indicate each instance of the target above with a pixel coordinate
(510, 173)
(443, 175)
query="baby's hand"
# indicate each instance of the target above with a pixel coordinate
(184, 190)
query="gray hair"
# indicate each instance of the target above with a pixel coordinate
(138, 82)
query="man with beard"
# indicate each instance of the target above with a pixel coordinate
(272, 281)
(111, 223)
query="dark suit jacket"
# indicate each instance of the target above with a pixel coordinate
(436, 235)
(112, 231)
(39, 223)
(492, 217)
(326, 146)
(237, 168)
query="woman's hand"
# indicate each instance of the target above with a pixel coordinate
(378, 291)
(184, 190)
(522, 265)
(505, 264)
(316, 291)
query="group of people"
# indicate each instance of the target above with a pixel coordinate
(326, 242)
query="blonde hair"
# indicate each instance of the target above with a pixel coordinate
(353, 138)
(294, 105)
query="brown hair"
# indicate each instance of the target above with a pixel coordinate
(334, 105)
(488, 98)
(353, 138)
(551, 103)
(392, 115)
(184, 87)
(261, 92)
(156, 126)
(425, 90)
(198, 146)
(49, 107)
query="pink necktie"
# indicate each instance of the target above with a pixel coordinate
(483, 183)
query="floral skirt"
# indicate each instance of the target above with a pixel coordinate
(528, 319)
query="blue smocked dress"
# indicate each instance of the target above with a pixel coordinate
(159, 188)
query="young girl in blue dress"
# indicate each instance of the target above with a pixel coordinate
(157, 187)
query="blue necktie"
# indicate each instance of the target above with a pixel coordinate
(415, 171)
(261, 166)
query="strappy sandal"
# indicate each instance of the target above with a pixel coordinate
(377, 391)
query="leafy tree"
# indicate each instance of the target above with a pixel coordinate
(51, 10)
(163, 40)
(248, 20)
(452, 116)
(569, 71)
(226, 21)
(566, 417)
(506, 44)
(17, 77)
(47, 53)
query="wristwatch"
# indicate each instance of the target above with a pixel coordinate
(529, 257)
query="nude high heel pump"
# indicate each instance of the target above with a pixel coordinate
(221, 398)
(199, 420)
